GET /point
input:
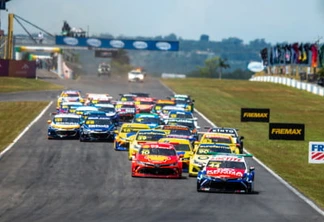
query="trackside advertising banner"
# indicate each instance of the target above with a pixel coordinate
(255, 115)
(286, 131)
(157, 45)
(316, 152)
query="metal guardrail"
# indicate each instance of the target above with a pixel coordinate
(310, 87)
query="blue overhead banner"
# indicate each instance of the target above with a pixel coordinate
(118, 43)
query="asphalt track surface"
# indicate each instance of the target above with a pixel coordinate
(65, 180)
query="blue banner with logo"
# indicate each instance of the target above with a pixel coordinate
(160, 45)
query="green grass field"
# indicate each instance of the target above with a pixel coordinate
(221, 101)
(14, 117)
(8, 84)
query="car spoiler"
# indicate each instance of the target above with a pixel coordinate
(231, 154)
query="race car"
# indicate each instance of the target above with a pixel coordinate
(126, 130)
(68, 107)
(69, 96)
(126, 111)
(178, 131)
(151, 119)
(143, 136)
(93, 98)
(231, 131)
(203, 153)
(185, 122)
(182, 146)
(127, 97)
(64, 126)
(219, 138)
(82, 109)
(97, 128)
(140, 94)
(226, 173)
(136, 75)
(159, 104)
(184, 101)
(144, 104)
(157, 160)
(166, 109)
(104, 69)
(110, 111)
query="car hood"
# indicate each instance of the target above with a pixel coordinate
(157, 159)
(61, 126)
(227, 173)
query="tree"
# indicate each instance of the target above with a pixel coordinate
(222, 64)
(122, 57)
(210, 68)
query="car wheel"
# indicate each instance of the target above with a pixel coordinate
(198, 187)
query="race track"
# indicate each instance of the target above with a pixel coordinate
(65, 181)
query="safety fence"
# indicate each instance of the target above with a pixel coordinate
(172, 76)
(310, 87)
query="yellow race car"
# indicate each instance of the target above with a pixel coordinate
(69, 96)
(182, 146)
(143, 136)
(121, 142)
(203, 153)
(218, 138)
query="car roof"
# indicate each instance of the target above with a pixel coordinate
(157, 145)
(180, 112)
(71, 103)
(229, 157)
(62, 115)
(135, 125)
(174, 140)
(105, 105)
(86, 108)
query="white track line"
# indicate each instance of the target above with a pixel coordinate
(300, 195)
(25, 130)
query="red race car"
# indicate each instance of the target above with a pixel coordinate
(155, 159)
(144, 104)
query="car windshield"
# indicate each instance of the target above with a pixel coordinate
(103, 102)
(66, 120)
(191, 125)
(182, 147)
(183, 132)
(149, 136)
(224, 131)
(227, 164)
(146, 120)
(181, 101)
(128, 106)
(207, 150)
(71, 95)
(146, 103)
(107, 109)
(157, 151)
(101, 122)
(130, 129)
(181, 115)
(216, 140)
(136, 73)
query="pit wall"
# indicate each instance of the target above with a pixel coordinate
(309, 87)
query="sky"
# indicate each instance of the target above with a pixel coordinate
(273, 20)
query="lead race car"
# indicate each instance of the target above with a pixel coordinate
(64, 126)
(156, 159)
(226, 173)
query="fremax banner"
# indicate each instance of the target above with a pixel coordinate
(255, 115)
(316, 152)
(286, 131)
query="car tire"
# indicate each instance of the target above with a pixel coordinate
(198, 187)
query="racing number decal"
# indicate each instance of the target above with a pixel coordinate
(158, 107)
(204, 151)
(124, 99)
(118, 106)
(90, 122)
(214, 164)
(173, 115)
(58, 119)
(140, 137)
(145, 152)
(203, 157)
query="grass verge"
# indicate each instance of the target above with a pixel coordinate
(221, 101)
(14, 117)
(8, 84)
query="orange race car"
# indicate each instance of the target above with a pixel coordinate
(156, 159)
(144, 104)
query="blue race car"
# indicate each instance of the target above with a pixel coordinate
(151, 119)
(97, 128)
(226, 173)
(110, 111)
(64, 126)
